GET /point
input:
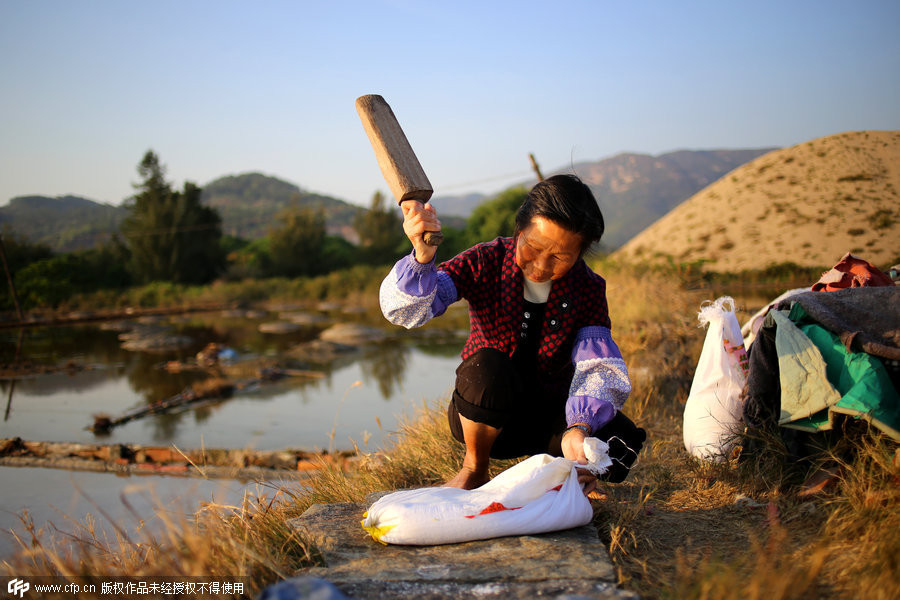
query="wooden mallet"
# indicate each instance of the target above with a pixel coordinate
(398, 162)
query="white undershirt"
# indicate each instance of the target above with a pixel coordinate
(537, 292)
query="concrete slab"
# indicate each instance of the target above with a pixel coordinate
(565, 564)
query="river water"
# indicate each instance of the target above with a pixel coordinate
(358, 402)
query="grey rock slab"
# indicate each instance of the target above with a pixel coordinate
(321, 352)
(279, 327)
(353, 334)
(306, 319)
(156, 342)
(570, 563)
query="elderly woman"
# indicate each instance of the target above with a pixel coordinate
(540, 370)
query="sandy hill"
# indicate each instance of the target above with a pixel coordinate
(808, 204)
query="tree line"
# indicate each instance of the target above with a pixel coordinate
(169, 235)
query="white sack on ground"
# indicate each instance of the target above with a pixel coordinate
(712, 414)
(538, 495)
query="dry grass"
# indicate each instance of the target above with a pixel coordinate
(422, 453)
(681, 528)
(677, 528)
(252, 541)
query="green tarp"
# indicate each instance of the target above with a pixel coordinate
(821, 378)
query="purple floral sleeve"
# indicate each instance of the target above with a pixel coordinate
(600, 385)
(413, 293)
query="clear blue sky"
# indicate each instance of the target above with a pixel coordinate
(218, 87)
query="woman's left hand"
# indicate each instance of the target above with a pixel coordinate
(573, 449)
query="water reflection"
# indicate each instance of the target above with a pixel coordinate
(56, 499)
(147, 378)
(398, 377)
(294, 412)
(9, 397)
(387, 366)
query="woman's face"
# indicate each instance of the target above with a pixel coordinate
(546, 251)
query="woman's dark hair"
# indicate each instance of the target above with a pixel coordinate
(568, 202)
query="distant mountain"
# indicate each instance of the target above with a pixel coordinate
(634, 190)
(808, 204)
(64, 224)
(458, 206)
(250, 203)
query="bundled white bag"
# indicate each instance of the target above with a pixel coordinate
(538, 495)
(712, 414)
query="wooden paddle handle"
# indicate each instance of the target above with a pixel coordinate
(398, 162)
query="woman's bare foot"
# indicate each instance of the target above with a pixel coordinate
(468, 479)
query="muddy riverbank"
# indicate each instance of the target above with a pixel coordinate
(136, 459)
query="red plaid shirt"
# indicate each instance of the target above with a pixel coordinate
(489, 279)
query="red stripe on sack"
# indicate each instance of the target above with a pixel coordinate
(492, 508)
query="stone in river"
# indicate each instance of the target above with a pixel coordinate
(353, 334)
(278, 327)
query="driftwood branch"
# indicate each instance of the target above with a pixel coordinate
(208, 389)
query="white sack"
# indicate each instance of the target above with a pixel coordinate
(538, 495)
(712, 414)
